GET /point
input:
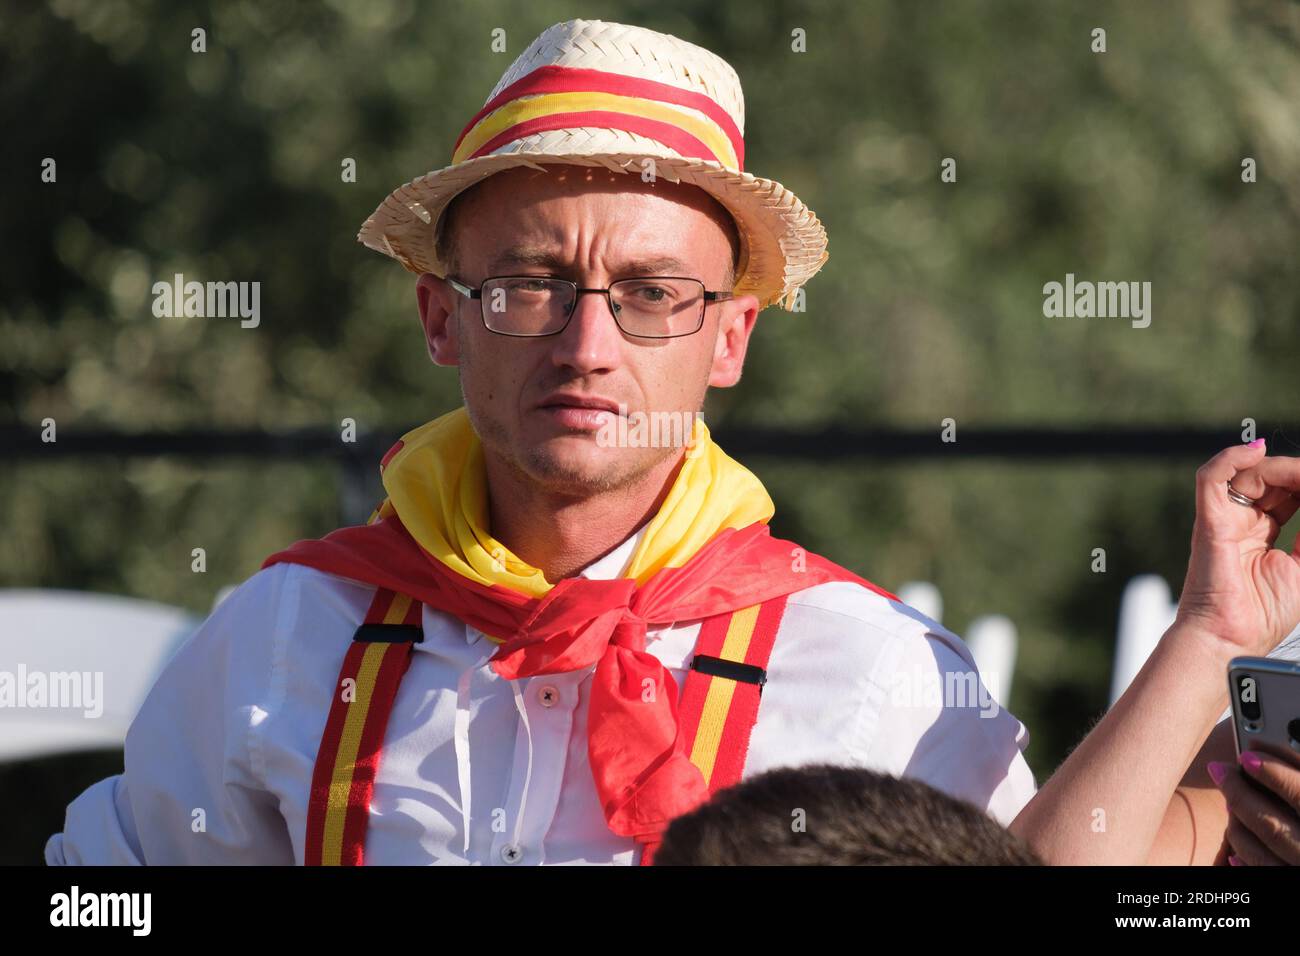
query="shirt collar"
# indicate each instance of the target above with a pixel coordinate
(606, 568)
(614, 564)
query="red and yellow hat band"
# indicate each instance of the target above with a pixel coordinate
(562, 97)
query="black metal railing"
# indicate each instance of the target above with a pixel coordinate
(358, 460)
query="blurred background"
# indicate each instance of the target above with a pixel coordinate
(1116, 166)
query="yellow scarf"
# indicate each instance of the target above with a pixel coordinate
(437, 486)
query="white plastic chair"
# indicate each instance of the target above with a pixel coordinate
(46, 633)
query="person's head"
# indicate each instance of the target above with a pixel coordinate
(828, 815)
(593, 226)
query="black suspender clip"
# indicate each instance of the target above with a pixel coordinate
(389, 633)
(733, 670)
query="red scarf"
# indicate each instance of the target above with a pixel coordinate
(643, 776)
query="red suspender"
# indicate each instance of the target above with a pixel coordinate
(344, 778)
(719, 704)
(717, 712)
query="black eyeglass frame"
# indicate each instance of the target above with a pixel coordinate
(471, 292)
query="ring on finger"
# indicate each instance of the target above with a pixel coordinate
(1237, 497)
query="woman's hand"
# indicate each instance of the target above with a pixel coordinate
(1239, 589)
(1263, 825)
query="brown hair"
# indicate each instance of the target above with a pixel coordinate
(828, 815)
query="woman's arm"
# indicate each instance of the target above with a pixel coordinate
(1108, 802)
(1194, 825)
(1116, 794)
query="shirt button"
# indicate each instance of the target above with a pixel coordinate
(549, 696)
(511, 853)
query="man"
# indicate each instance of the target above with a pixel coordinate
(556, 637)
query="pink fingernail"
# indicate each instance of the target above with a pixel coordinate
(1250, 760)
(1256, 443)
(1217, 771)
(1233, 861)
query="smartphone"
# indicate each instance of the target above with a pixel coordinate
(1265, 695)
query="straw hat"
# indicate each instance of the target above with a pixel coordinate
(594, 93)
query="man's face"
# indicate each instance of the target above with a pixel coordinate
(592, 226)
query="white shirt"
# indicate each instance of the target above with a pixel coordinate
(478, 769)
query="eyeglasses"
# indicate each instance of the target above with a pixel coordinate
(648, 307)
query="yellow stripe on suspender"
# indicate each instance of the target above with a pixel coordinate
(349, 745)
(705, 130)
(717, 701)
(397, 610)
